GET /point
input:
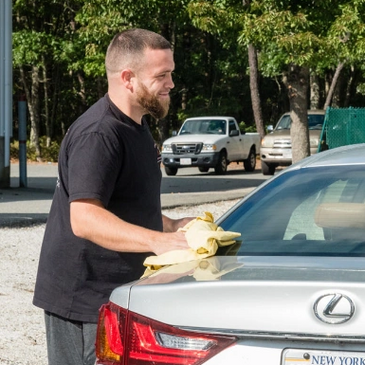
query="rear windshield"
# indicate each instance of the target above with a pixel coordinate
(314, 211)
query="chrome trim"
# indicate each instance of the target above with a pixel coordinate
(277, 335)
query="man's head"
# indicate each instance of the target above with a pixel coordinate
(126, 49)
(139, 65)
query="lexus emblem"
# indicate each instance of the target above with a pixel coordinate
(334, 308)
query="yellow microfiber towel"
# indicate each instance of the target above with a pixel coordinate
(203, 236)
(209, 269)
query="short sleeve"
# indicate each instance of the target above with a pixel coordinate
(93, 166)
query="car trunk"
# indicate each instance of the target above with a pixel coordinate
(255, 294)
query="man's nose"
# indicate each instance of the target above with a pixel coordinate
(170, 83)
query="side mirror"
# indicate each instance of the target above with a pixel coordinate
(234, 133)
(270, 128)
(174, 133)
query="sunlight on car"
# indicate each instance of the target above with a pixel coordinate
(289, 290)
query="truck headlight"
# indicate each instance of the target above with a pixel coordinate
(166, 148)
(209, 147)
(266, 142)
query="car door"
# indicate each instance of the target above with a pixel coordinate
(234, 143)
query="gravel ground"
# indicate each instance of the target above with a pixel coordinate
(21, 326)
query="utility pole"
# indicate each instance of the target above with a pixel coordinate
(6, 86)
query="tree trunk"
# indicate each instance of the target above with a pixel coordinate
(33, 107)
(333, 85)
(34, 116)
(46, 106)
(55, 93)
(339, 93)
(82, 92)
(297, 81)
(163, 125)
(315, 95)
(254, 87)
(351, 86)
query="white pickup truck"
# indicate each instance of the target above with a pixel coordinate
(210, 142)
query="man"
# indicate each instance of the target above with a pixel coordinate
(105, 217)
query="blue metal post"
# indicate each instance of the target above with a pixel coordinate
(6, 76)
(22, 109)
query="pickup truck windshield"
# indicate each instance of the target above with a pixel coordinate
(315, 121)
(204, 126)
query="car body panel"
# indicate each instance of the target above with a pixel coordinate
(258, 294)
(286, 299)
(196, 138)
(203, 159)
(335, 157)
(255, 351)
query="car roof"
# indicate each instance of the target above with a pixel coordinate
(211, 117)
(345, 155)
(311, 111)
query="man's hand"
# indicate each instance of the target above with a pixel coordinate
(170, 242)
(172, 225)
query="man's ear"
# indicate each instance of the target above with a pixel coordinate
(126, 77)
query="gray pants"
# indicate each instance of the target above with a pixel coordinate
(70, 342)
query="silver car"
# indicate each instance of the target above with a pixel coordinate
(291, 290)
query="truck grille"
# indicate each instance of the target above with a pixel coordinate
(282, 143)
(184, 148)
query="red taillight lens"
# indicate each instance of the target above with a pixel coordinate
(143, 341)
(109, 338)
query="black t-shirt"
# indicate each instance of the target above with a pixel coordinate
(105, 155)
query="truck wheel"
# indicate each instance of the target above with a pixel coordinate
(221, 166)
(250, 162)
(203, 169)
(267, 169)
(171, 171)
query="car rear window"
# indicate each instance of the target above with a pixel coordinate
(312, 211)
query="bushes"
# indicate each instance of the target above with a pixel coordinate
(48, 154)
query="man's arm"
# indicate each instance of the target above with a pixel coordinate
(172, 225)
(91, 221)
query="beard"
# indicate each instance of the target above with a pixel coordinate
(151, 104)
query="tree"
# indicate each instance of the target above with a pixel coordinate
(294, 38)
(220, 18)
(42, 32)
(100, 20)
(346, 38)
(232, 57)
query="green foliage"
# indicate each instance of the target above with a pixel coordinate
(28, 46)
(246, 128)
(316, 34)
(49, 154)
(68, 39)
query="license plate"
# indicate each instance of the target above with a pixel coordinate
(318, 357)
(185, 161)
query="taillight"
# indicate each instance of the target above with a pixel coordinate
(126, 338)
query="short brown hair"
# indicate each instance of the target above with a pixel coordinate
(127, 47)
